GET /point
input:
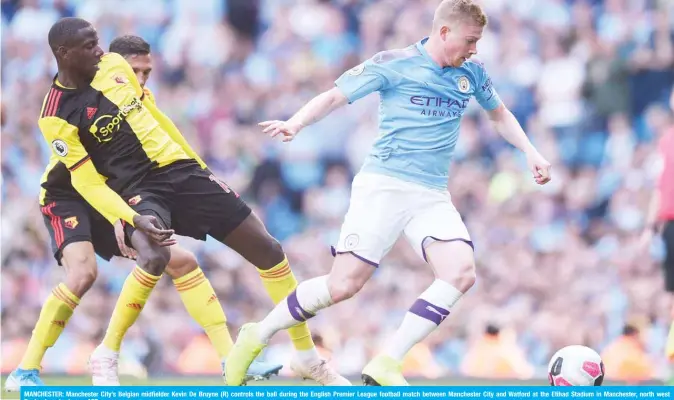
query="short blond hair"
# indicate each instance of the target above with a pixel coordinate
(456, 10)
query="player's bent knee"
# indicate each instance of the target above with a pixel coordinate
(80, 266)
(462, 274)
(182, 262)
(275, 249)
(344, 289)
(154, 260)
(466, 277)
(252, 241)
(348, 276)
(454, 263)
(273, 254)
(80, 281)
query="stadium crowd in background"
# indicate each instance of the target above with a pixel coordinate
(590, 80)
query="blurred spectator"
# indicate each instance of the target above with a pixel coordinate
(625, 358)
(496, 355)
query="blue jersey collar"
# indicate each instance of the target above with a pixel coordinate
(422, 50)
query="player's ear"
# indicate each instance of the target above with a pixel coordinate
(62, 52)
(444, 32)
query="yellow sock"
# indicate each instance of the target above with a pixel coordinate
(670, 343)
(279, 281)
(201, 302)
(54, 316)
(132, 299)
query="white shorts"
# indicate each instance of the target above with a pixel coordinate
(383, 207)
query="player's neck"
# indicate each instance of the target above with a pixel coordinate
(69, 80)
(434, 50)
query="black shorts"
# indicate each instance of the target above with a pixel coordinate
(71, 220)
(668, 265)
(188, 199)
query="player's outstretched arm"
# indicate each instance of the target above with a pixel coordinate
(315, 110)
(509, 128)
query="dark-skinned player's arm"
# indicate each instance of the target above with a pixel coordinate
(65, 144)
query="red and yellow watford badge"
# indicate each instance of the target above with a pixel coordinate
(71, 222)
(120, 79)
(135, 200)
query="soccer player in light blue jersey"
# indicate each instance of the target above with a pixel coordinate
(402, 186)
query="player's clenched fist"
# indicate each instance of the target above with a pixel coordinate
(286, 128)
(539, 166)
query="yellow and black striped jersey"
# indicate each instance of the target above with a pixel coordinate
(56, 177)
(108, 123)
(60, 185)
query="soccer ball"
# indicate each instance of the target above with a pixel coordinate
(576, 366)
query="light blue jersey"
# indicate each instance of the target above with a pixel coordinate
(419, 112)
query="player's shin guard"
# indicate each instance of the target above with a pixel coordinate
(202, 304)
(279, 282)
(309, 297)
(54, 316)
(426, 314)
(132, 299)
